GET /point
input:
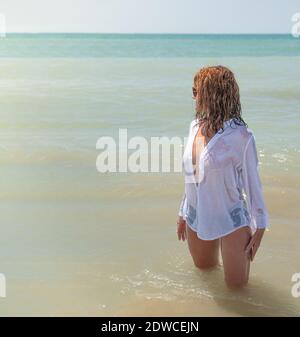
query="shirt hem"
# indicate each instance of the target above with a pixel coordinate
(219, 236)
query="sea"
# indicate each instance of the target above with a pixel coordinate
(76, 241)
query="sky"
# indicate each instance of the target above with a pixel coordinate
(150, 16)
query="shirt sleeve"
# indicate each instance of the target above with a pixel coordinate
(183, 200)
(182, 205)
(253, 186)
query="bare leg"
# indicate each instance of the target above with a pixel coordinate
(205, 253)
(235, 261)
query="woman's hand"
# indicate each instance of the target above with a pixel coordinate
(181, 228)
(254, 243)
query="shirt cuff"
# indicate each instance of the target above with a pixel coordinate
(262, 221)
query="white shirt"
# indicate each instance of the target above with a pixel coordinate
(228, 194)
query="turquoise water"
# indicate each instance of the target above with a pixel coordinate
(147, 45)
(78, 242)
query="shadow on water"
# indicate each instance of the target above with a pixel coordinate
(258, 298)
(179, 288)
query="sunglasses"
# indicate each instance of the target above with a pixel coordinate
(194, 92)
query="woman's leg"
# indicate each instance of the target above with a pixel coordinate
(235, 261)
(205, 254)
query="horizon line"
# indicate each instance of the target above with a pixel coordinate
(143, 33)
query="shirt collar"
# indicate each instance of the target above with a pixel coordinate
(226, 124)
(217, 135)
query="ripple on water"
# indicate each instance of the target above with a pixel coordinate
(176, 279)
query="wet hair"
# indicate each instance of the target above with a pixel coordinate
(217, 99)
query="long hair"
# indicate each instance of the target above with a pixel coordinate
(217, 98)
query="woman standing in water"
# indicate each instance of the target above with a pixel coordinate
(223, 204)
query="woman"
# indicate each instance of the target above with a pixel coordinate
(223, 204)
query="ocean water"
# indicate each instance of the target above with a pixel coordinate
(75, 241)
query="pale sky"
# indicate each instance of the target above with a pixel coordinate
(150, 16)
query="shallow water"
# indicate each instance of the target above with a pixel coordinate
(75, 241)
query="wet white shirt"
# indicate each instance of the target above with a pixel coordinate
(228, 194)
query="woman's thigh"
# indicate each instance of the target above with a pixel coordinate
(205, 253)
(235, 261)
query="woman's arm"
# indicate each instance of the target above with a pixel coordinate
(255, 198)
(253, 186)
(181, 225)
(182, 205)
